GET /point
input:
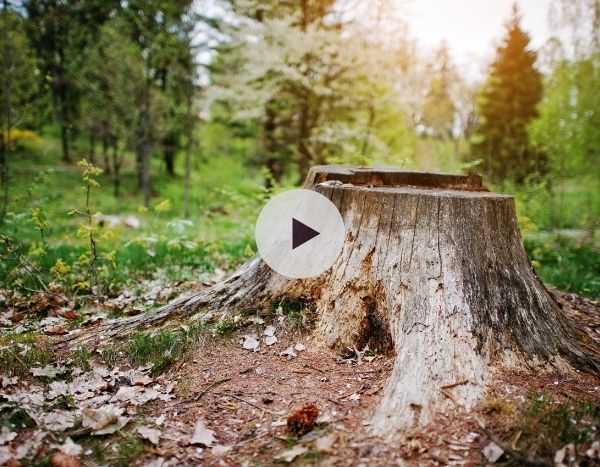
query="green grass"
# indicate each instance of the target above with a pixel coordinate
(565, 264)
(541, 425)
(299, 310)
(21, 352)
(225, 329)
(570, 204)
(81, 358)
(226, 196)
(120, 452)
(163, 348)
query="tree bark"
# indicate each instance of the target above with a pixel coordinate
(116, 159)
(433, 270)
(143, 146)
(105, 157)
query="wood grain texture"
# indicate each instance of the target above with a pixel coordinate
(436, 274)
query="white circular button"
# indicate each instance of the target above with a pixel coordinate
(300, 233)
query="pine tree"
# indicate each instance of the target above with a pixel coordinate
(439, 109)
(506, 104)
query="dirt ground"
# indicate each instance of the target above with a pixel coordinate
(245, 397)
(227, 403)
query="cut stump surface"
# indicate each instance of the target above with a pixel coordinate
(433, 270)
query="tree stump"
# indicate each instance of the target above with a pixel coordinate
(433, 270)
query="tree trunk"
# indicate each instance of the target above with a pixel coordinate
(433, 271)
(187, 176)
(170, 145)
(273, 166)
(170, 162)
(105, 157)
(116, 159)
(143, 145)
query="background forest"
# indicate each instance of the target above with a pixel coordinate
(139, 139)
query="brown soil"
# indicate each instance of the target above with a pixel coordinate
(245, 397)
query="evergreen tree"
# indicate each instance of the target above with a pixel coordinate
(506, 104)
(439, 109)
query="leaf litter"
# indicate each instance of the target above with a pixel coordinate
(240, 420)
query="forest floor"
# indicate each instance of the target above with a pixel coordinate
(222, 394)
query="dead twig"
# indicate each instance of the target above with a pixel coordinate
(264, 409)
(209, 387)
(458, 383)
(306, 365)
(450, 396)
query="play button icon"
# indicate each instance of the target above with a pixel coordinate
(300, 233)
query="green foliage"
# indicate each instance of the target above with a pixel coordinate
(225, 329)
(19, 86)
(299, 310)
(439, 109)
(569, 265)
(506, 104)
(306, 88)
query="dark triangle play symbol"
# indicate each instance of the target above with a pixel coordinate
(301, 233)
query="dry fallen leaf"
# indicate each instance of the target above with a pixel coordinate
(31, 445)
(6, 435)
(594, 451)
(325, 443)
(566, 455)
(68, 447)
(289, 353)
(49, 371)
(250, 343)
(151, 434)
(58, 388)
(59, 420)
(202, 435)
(105, 420)
(492, 452)
(270, 340)
(5, 381)
(60, 459)
(219, 450)
(6, 455)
